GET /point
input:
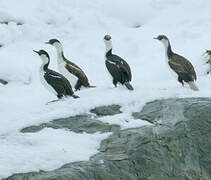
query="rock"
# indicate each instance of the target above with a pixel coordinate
(4, 22)
(106, 110)
(3, 82)
(137, 26)
(7, 22)
(177, 147)
(81, 123)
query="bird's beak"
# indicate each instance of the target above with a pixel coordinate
(155, 38)
(47, 42)
(207, 52)
(204, 53)
(36, 51)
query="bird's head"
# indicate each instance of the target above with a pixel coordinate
(43, 54)
(208, 52)
(107, 37)
(108, 42)
(53, 42)
(164, 40)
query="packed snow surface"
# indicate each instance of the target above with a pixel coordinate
(80, 26)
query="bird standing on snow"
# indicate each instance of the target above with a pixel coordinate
(117, 67)
(53, 81)
(68, 69)
(183, 68)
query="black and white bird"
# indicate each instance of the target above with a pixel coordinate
(117, 67)
(180, 65)
(53, 81)
(71, 71)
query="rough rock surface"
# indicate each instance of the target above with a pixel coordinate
(177, 146)
(81, 123)
(106, 110)
(3, 81)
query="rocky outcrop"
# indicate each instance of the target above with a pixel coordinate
(177, 146)
(3, 81)
(81, 123)
(7, 22)
(106, 110)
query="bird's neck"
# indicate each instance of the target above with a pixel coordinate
(109, 53)
(60, 53)
(168, 49)
(45, 63)
(108, 48)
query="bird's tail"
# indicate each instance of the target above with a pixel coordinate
(91, 86)
(75, 96)
(129, 86)
(193, 86)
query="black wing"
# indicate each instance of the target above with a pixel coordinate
(71, 63)
(78, 73)
(118, 68)
(60, 84)
(182, 66)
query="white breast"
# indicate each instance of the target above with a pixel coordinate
(45, 84)
(71, 78)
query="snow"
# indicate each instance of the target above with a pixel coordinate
(29, 152)
(80, 26)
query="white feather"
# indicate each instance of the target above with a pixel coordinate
(71, 77)
(111, 62)
(193, 86)
(61, 65)
(108, 44)
(42, 73)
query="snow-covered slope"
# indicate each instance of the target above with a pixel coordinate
(81, 25)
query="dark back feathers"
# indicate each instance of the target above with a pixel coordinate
(118, 68)
(60, 84)
(182, 66)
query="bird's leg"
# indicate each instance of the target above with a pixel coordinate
(78, 86)
(180, 80)
(114, 83)
(59, 98)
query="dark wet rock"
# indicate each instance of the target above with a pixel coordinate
(19, 23)
(81, 123)
(137, 26)
(177, 146)
(7, 22)
(106, 110)
(3, 82)
(4, 22)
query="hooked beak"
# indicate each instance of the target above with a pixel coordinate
(204, 53)
(47, 42)
(36, 51)
(155, 38)
(208, 52)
